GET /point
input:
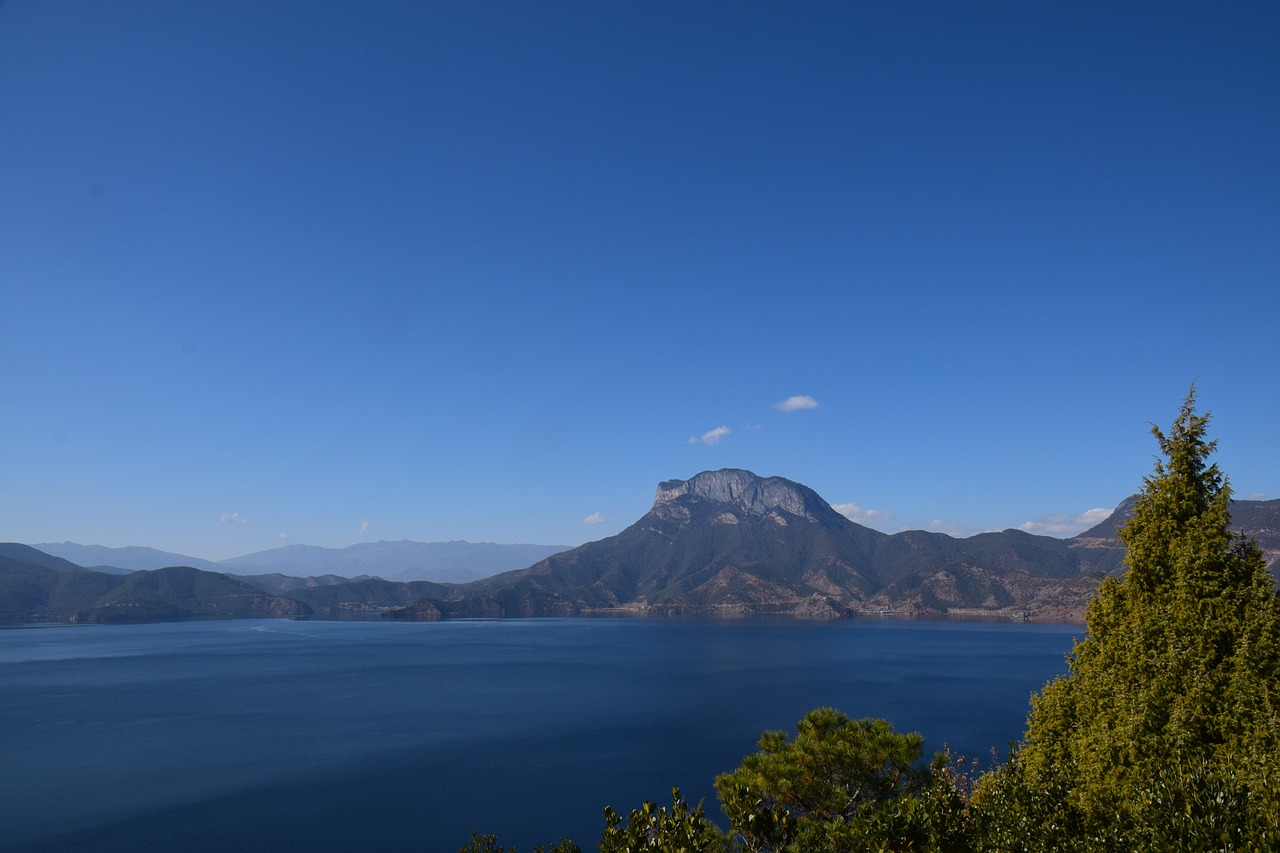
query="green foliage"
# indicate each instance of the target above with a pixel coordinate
(841, 784)
(1166, 726)
(680, 830)
(484, 844)
(489, 844)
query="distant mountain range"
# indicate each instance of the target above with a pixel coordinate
(724, 543)
(445, 562)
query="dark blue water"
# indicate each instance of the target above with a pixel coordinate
(278, 735)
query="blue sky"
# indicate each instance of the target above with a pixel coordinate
(324, 272)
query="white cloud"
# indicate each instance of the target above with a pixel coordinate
(1066, 524)
(283, 537)
(711, 436)
(594, 518)
(941, 525)
(877, 518)
(796, 403)
(233, 518)
(1256, 496)
(364, 527)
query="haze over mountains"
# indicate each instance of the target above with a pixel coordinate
(455, 562)
(724, 543)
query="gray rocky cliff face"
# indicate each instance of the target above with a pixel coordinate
(745, 491)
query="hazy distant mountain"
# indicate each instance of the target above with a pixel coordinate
(130, 558)
(38, 557)
(403, 560)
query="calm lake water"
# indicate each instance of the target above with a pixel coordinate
(278, 735)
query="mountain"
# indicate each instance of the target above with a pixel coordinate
(403, 560)
(183, 592)
(442, 562)
(33, 556)
(277, 584)
(130, 559)
(725, 543)
(363, 597)
(37, 587)
(1256, 520)
(731, 543)
(1260, 520)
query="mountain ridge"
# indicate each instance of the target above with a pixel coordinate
(455, 561)
(723, 543)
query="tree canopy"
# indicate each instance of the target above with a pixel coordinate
(840, 784)
(1172, 694)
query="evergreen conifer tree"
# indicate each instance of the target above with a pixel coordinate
(1164, 734)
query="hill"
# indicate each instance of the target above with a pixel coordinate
(183, 592)
(36, 587)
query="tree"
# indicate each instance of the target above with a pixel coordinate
(841, 784)
(489, 844)
(650, 827)
(1166, 725)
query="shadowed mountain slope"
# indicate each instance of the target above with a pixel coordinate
(721, 541)
(183, 592)
(36, 587)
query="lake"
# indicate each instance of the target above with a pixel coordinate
(278, 735)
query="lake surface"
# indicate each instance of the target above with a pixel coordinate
(279, 735)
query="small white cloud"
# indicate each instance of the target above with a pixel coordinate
(796, 403)
(1256, 496)
(364, 527)
(941, 525)
(693, 439)
(594, 518)
(877, 518)
(713, 436)
(233, 518)
(1065, 525)
(283, 537)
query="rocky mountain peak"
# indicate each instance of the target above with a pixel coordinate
(745, 491)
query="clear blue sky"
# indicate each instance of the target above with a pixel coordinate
(324, 272)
